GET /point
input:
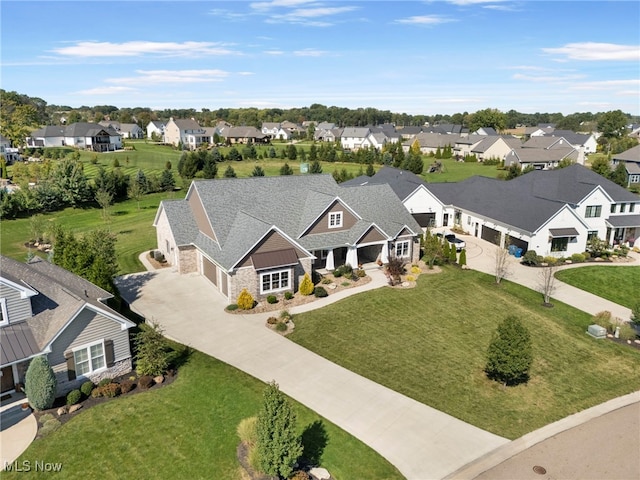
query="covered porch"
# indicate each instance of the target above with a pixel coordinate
(623, 230)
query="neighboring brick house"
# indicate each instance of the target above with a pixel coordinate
(265, 233)
(49, 311)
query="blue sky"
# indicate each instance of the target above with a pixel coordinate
(417, 57)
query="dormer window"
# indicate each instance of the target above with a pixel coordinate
(335, 220)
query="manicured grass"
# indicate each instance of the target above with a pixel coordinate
(454, 171)
(185, 430)
(132, 225)
(430, 342)
(618, 284)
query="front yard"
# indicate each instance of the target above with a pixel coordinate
(429, 343)
(618, 284)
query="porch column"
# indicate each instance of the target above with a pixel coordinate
(352, 256)
(384, 255)
(330, 263)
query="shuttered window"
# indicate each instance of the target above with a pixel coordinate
(90, 358)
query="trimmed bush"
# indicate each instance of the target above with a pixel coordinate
(416, 269)
(320, 292)
(288, 295)
(73, 397)
(463, 257)
(531, 258)
(361, 273)
(550, 260)
(577, 258)
(40, 384)
(272, 320)
(126, 386)
(110, 390)
(245, 300)
(281, 327)
(232, 307)
(306, 286)
(87, 387)
(411, 278)
(272, 299)
(145, 382)
(104, 381)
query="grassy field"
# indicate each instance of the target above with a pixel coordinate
(429, 343)
(185, 430)
(618, 284)
(454, 171)
(132, 225)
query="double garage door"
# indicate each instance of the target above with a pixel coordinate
(494, 236)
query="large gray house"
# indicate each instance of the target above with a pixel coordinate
(265, 233)
(47, 310)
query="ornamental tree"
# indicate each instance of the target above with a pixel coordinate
(509, 356)
(40, 383)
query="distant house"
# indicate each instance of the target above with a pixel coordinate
(355, 138)
(127, 130)
(326, 132)
(584, 143)
(49, 311)
(8, 153)
(631, 160)
(489, 131)
(539, 130)
(81, 135)
(186, 131)
(244, 135)
(265, 233)
(497, 147)
(156, 127)
(271, 129)
(540, 158)
(430, 142)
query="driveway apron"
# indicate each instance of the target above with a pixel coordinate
(421, 442)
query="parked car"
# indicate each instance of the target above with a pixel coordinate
(453, 240)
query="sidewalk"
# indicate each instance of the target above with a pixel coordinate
(17, 429)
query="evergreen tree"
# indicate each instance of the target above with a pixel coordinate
(452, 254)
(292, 152)
(40, 383)
(257, 171)
(313, 152)
(315, 167)
(463, 258)
(230, 172)
(601, 166)
(152, 354)
(370, 170)
(272, 152)
(210, 169)
(619, 174)
(509, 356)
(286, 170)
(278, 446)
(167, 182)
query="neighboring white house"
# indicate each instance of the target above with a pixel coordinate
(155, 127)
(82, 135)
(185, 130)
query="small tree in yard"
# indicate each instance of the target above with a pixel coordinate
(278, 446)
(509, 356)
(501, 264)
(547, 285)
(40, 384)
(395, 269)
(306, 286)
(152, 356)
(463, 258)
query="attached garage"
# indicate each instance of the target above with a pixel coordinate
(425, 220)
(491, 235)
(210, 271)
(518, 242)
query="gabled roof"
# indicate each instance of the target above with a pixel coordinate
(573, 138)
(186, 123)
(402, 182)
(242, 132)
(546, 142)
(542, 155)
(355, 132)
(434, 140)
(84, 129)
(61, 296)
(631, 155)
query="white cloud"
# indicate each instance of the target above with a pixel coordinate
(472, 2)
(171, 77)
(279, 3)
(274, 52)
(309, 52)
(140, 48)
(424, 20)
(547, 78)
(593, 51)
(607, 84)
(106, 90)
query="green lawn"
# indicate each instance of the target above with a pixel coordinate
(132, 225)
(185, 430)
(429, 343)
(454, 171)
(618, 284)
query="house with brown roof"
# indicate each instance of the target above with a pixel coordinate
(46, 310)
(265, 233)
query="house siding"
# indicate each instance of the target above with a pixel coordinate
(322, 224)
(273, 241)
(199, 214)
(372, 236)
(18, 309)
(165, 239)
(86, 328)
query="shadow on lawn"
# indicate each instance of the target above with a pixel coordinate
(314, 440)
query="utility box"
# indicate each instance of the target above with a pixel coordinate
(596, 331)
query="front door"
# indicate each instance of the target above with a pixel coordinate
(7, 379)
(445, 220)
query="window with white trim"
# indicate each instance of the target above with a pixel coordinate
(623, 207)
(634, 178)
(335, 219)
(275, 281)
(402, 248)
(593, 211)
(89, 359)
(4, 316)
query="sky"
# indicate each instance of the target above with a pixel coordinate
(415, 57)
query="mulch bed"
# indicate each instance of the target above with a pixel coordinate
(91, 401)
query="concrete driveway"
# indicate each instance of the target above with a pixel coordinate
(423, 443)
(17, 429)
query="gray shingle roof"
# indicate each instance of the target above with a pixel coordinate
(631, 155)
(402, 182)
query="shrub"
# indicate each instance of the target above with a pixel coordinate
(361, 273)
(281, 327)
(320, 292)
(300, 475)
(509, 356)
(550, 260)
(126, 386)
(40, 384)
(152, 357)
(326, 281)
(288, 295)
(627, 332)
(45, 418)
(73, 397)
(49, 426)
(604, 319)
(306, 286)
(245, 300)
(110, 390)
(272, 299)
(337, 273)
(232, 307)
(104, 381)
(86, 388)
(416, 269)
(344, 284)
(577, 258)
(145, 381)
(587, 255)
(272, 320)
(531, 258)
(285, 315)
(463, 257)
(411, 278)
(246, 430)
(635, 312)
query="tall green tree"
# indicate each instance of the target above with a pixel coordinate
(489, 117)
(278, 445)
(40, 383)
(510, 354)
(315, 167)
(601, 166)
(167, 182)
(613, 124)
(619, 174)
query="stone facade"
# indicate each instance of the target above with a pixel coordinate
(65, 385)
(187, 259)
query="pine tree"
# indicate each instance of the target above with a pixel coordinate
(509, 356)
(315, 167)
(286, 170)
(452, 254)
(463, 258)
(230, 172)
(278, 446)
(40, 384)
(257, 171)
(370, 170)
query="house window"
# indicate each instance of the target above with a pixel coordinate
(335, 220)
(593, 211)
(89, 359)
(613, 208)
(402, 248)
(632, 207)
(559, 244)
(4, 316)
(274, 281)
(591, 234)
(634, 178)
(623, 207)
